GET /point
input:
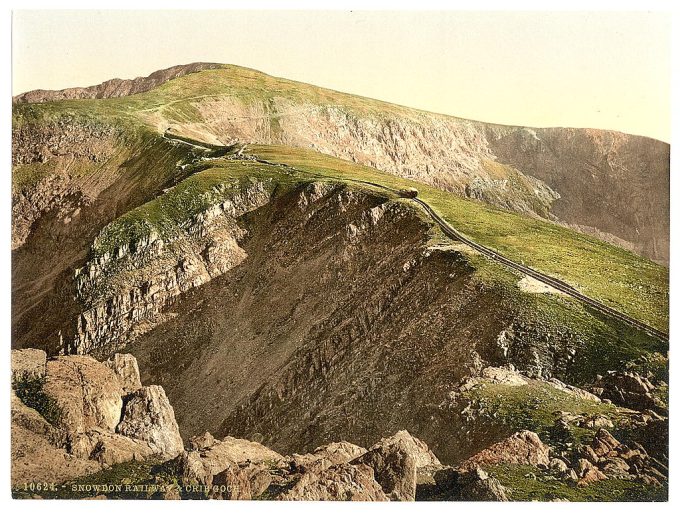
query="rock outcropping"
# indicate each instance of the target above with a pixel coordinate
(79, 415)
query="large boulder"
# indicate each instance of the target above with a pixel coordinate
(149, 417)
(395, 461)
(524, 447)
(415, 447)
(124, 365)
(87, 392)
(476, 485)
(28, 364)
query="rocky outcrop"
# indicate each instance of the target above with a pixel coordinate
(126, 287)
(628, 389)
(88, 428)
(115, 87)
(125, 367)
(524, 447)
(87, 392)
(149, 417)
(342, 482)
(394, 469)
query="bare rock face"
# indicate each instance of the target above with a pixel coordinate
(124, 365)
(28, 364)
(524, 447)
(342, 482)
(109, 448)
(148, 416)
(87, 392)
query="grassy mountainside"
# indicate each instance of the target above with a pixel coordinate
(278, 296)
(605, 183)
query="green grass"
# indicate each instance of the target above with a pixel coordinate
(30, 391)
(534, 407)
(619, 278)
(525, 488)
(616, 277)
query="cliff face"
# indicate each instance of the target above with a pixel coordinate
(612, 185)
(115, 87)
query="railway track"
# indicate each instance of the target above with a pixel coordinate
(454, 234)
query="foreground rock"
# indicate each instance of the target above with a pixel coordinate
(148, 416)
(82, 426)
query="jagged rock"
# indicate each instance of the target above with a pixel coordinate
(603, 443)
(394, 469)
(420, 452)
(614, 467)
(200, 467)
(476, 485)
(200, 442)
(124, 365)
(28, 364)
(87, 392)
(524, 447)
(339, 482)
(627, 389)
(588, 452)
(558, 465)
(588, 473)
(232, 483)
(327, 455)
(148, 416)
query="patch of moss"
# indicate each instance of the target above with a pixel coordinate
(31, 392)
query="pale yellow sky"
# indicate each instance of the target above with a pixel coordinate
(602, 70)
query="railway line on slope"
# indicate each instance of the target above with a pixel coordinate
(493, 255)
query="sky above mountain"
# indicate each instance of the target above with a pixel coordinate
(603, 70)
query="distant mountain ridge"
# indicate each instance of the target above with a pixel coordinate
(605, 183)
(115, 87)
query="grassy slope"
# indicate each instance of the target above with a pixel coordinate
(615, 276)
